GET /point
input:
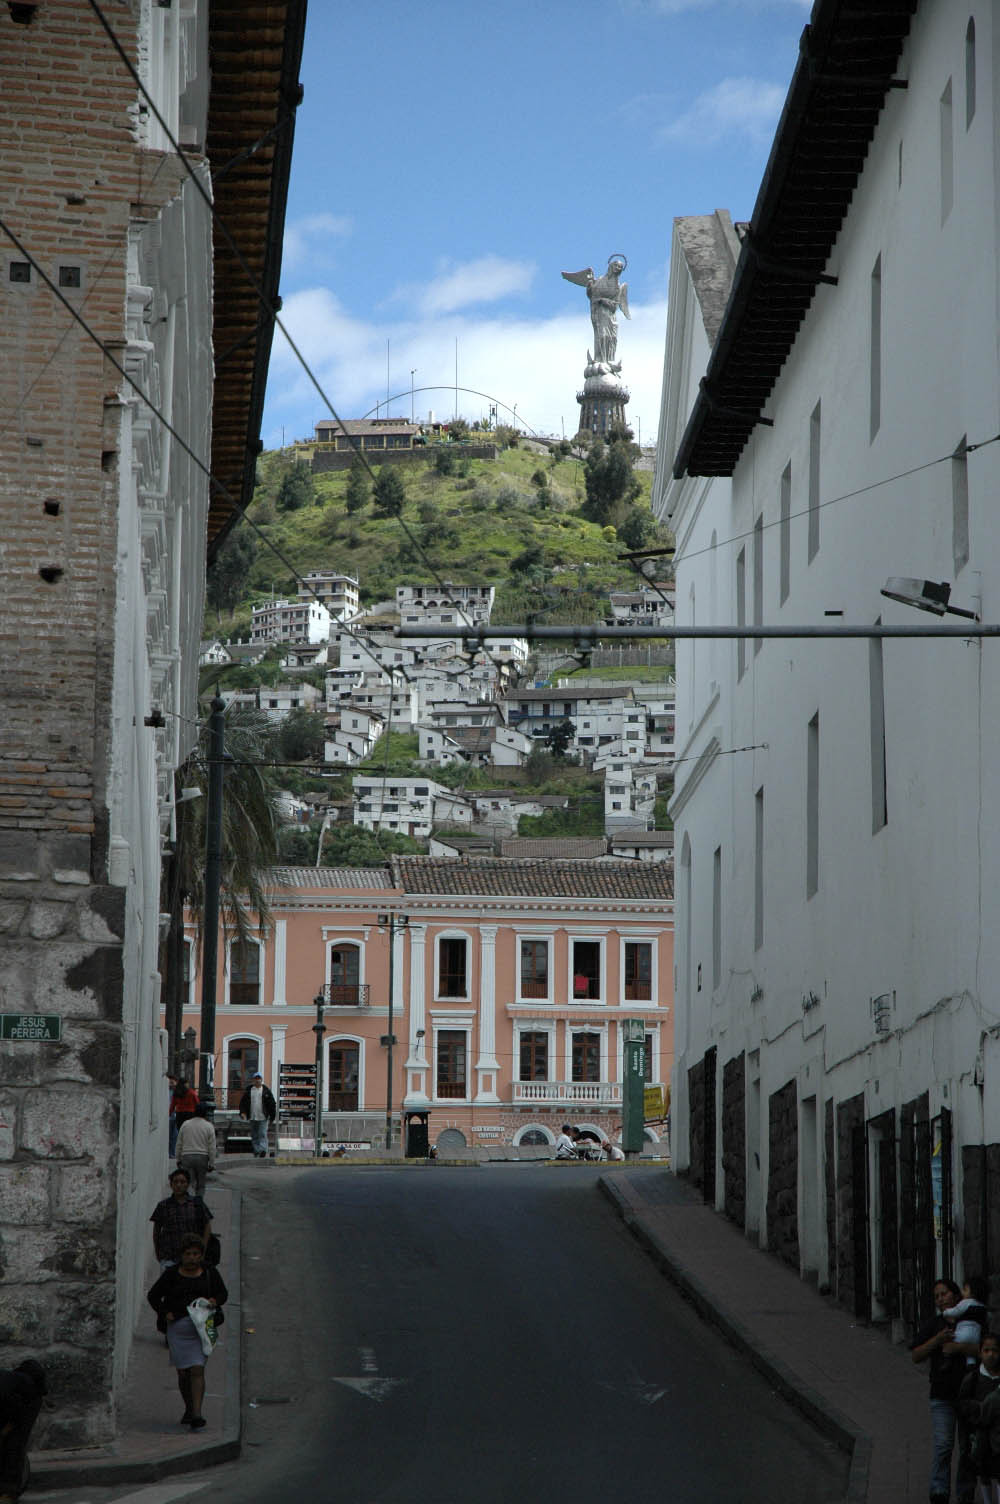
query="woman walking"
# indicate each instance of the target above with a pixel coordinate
(170, 1297)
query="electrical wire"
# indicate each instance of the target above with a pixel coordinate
(196, 458)
(831, 501)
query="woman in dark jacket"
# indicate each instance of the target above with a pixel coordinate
(170, 1297)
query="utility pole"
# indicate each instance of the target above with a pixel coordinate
(391, 922)
(319, 1029)
(213, 882)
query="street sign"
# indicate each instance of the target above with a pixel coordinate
(633, 1083)
(32, 1027)
(653, 1104)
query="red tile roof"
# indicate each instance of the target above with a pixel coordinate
(489, 877)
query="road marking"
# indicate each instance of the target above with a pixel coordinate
(373, 1389)
(164, 1493)
(646, 1394)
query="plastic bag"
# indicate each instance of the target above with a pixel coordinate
(203, 1316)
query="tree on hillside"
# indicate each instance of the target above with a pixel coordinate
(227, 576)
(444, 460)
(610, 484)
(359, 487)
(301, 736)
(559, 738)
(389, 492)
(297, 488)
(639, 528)
(458, 429)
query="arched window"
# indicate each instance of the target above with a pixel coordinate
(534, 1137)
(343, 1076)
(344, 972)
(970, 71)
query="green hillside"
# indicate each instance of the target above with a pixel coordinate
(514, 523)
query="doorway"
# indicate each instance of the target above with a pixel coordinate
(244, 1062)
(342, 1091)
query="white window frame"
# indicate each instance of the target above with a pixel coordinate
(261, 944)
(549, 938)
(462, 1025)
(597, 937)
(340, 942)
(342, 1038)
(584, 1025)
(453, 935)
(533, 1026)
(227, 1040)
(194, 960)
(533, 1128)
(632, 938)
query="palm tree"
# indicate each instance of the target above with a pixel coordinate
(249, 848)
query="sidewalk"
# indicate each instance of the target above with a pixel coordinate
(150, 1443)
(862, 1391)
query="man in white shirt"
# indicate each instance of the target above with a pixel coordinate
(258, 1106)
(565, 1148)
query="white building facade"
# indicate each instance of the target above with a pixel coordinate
(837, 1003)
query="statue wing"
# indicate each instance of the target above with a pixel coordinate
(582, 279)
(623, 299)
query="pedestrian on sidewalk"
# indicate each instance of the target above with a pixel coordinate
(22, 1390)
(170, 1298)
(976, 1408)
(196, 1148)
(185, 1102)
(258, 1105)
(177, 1215)
(171, 1114)
(935, 1342)
(969, 1315)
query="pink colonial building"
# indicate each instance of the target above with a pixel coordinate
(511, 980)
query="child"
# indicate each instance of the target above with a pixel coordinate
(979, 1413)
(969, 1315)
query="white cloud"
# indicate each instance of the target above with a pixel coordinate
(456, 286)
(533, 364)
(733, 107)
(307, 239)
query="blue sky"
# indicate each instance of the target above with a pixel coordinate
(452, 159)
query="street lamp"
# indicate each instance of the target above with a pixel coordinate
(319, 1029)
(412, 374)
(925, 595)
(390, 922)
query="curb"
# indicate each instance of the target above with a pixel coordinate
(107, 1471)
(827, 1420)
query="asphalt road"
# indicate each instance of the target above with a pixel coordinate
(485, 1336)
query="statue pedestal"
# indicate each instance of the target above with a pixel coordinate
(602, 401)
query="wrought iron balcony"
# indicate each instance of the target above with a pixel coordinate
(346, 995)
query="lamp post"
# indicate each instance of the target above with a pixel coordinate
(390, 922)
(319, 1029)
(412, 374)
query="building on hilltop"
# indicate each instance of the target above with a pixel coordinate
(512, 979)
(299, 621)
(105, 514)
(339, 593)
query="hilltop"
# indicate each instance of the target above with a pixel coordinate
(514, 522)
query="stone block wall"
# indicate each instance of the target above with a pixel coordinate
(696, 1115)
(60, 940)
(782, 1174)
(734, 1138)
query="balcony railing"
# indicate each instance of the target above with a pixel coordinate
(346, 995)
(555, 1093)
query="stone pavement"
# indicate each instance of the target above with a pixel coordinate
(150, 1443)
(860, 1389)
